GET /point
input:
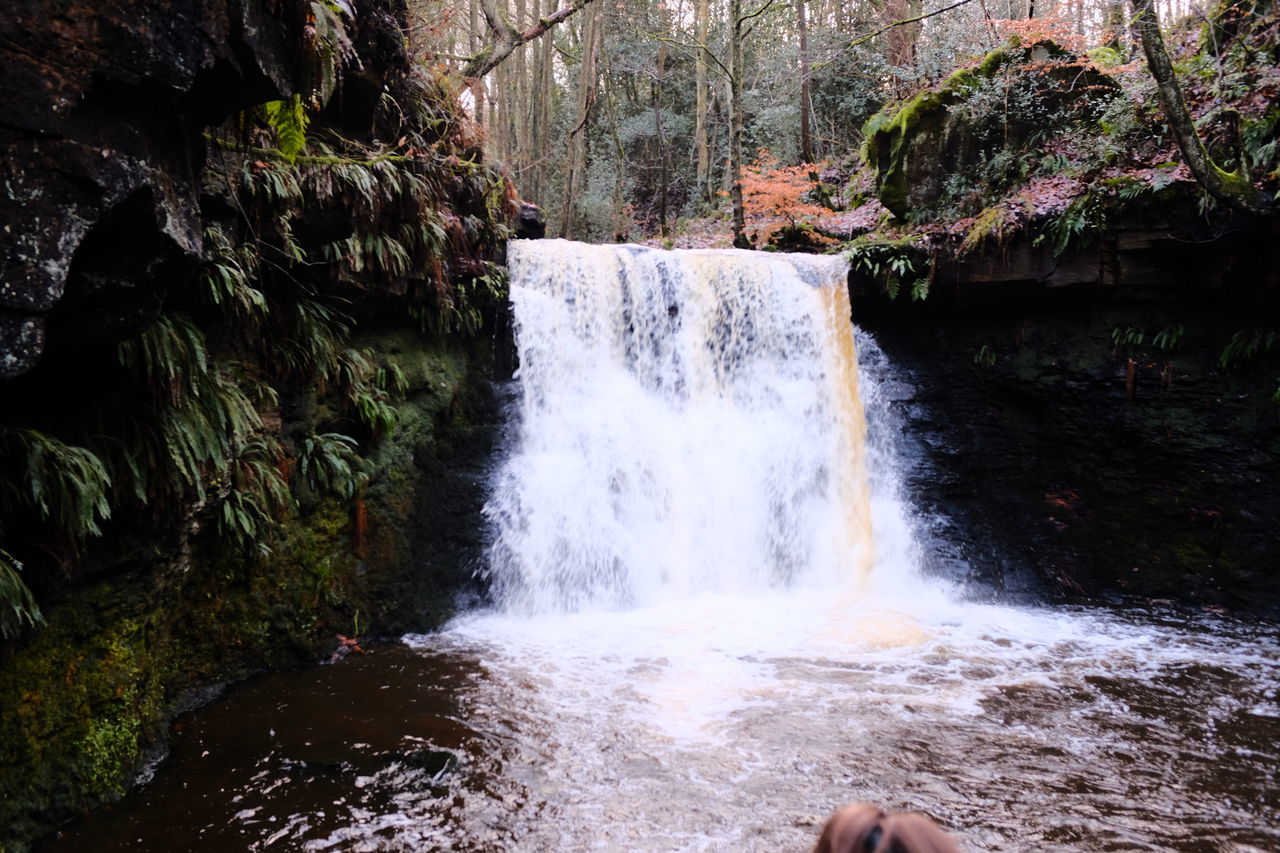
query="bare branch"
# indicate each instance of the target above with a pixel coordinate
(904, 22)
(693, 46)
(757, 13)
(504, 38)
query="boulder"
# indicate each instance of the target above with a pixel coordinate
(949, 134)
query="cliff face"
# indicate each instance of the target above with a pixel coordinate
(101, 132)
(244, 394)
(1092, 421)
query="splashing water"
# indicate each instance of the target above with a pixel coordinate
(690, 424)
(711, 629)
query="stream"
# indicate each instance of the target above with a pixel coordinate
(711, 626)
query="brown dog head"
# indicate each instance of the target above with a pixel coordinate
(864, 828)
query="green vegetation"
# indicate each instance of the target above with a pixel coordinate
(217, 479)
(18, 608)
(891, 262)
(1246, 346)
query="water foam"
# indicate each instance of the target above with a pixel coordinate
(689, 423)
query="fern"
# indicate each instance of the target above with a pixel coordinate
(1169, 338)
(18, 607)
(170, 355)
(330, 463)
(890, 263)
(1247, 345)
(288, 121)
(1128, 336)
(258, 495)
(227, 277)
(373, 407)
(354, 369)
(391, 378)
(207, 432)
(65, 485)
(309, 340)
(328, 47)
(1082, 220)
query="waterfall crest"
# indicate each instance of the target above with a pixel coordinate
(689, 422)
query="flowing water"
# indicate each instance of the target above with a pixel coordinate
(710, 629)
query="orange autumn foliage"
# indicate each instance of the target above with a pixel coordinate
(775, 196)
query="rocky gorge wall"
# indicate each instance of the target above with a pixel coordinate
(245, 363)
(1084, 429)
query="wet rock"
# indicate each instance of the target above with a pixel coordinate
(1050, 463)
(530, 222)
(103, 112)
(23, 337)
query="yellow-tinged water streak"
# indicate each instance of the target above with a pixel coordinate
(854, 485)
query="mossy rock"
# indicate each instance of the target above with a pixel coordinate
(1013, 95)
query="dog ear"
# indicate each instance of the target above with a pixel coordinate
(914, 833)
(850, 829)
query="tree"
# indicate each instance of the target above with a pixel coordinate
(576, 142)
(1234, 187)
(738, 32)
(701, 143)
(806, 103)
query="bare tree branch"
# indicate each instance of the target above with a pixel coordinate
(904, 22)
(505, 38)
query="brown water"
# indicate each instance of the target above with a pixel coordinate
(1099, 731)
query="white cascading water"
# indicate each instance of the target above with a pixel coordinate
(690, 423)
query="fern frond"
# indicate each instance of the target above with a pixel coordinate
(330, 463)
(66, 485)
(288, 121)
(18, 607)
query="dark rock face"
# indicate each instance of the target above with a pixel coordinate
(531, 224)
(1052, 451)
(100, 127)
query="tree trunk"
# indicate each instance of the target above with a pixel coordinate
(1235, 187)
(701, 108)
(806, 140)
(1113, 27)
(576, 142)
(662, 141)
(735, 125)
(620, 221)
(520, 102)
(542, 122)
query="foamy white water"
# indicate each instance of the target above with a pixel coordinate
(690, 423)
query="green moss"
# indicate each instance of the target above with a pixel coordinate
(109, 745)
(990, 224)
(887, 134)
(918, 147)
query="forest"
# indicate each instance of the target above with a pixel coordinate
(627, 121)
(284, 378)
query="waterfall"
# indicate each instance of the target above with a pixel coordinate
(689, 422)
